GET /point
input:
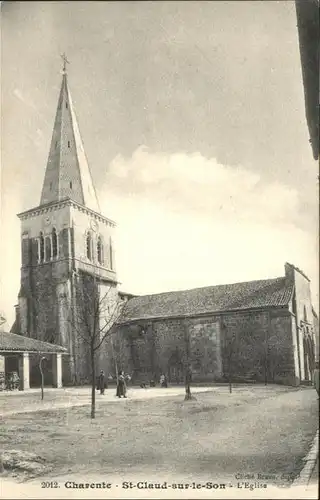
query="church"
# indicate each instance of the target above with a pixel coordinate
(264, 331)
(63, 239)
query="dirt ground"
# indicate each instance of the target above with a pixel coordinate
(257, 430)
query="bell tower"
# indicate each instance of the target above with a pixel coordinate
(64, 235)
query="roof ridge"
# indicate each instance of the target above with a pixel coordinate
(247, 295)
(210, 286)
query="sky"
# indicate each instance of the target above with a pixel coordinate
(193, 121)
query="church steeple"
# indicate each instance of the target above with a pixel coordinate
(67, 173)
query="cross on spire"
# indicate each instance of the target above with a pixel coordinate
(65, 62)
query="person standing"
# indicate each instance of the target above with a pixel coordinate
(101, 382)
(121, 386)
(188, 380)
(163, 381)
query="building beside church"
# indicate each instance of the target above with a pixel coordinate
(262, 330)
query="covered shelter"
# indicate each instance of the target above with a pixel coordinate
(15, 350)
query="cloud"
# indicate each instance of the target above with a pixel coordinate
(185, 221)
(192, 183)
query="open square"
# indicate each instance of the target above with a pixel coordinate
(264, 430)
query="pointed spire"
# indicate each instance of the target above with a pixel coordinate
(67, 173)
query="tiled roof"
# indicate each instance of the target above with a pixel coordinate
(11, 342)
(211, 299)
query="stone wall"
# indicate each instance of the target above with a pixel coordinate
(47, 298)
(81, 224)
(249, 345)
(304, 318)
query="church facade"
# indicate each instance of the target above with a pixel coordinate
(265, 331)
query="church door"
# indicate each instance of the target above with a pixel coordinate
(175, 369)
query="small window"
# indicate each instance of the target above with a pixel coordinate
(48, 255)
(54, 243)
(67, 104)
(89, 246)
(56, 144)
(100, 250)
(41, 247)
(37, 249)
(69, 144)
(70, 184)
(50, 186)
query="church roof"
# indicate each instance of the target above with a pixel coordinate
(10, 342)
(67, 173)
(208, 300)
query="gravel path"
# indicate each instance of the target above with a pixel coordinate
(25, 402)
(256, 430)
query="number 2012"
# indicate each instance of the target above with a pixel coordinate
(52, 484)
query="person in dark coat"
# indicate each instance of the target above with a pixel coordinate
(163, 381)
(188, 380)
(121, 386)
(101, 382)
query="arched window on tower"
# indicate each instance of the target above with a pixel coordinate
(41, 249)
(100, 250)
(54, 243)
(48, 254)
(89, 246)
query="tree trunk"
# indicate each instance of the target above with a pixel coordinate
(265, 364)
(230, 372)
(93, 384)
(42, 379)
(188, 392)
(115, 361)
(266, 371)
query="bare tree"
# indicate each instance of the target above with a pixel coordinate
(43, 358)
(230, 350)
(230, 347)
(188, 369)
(94, 315)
